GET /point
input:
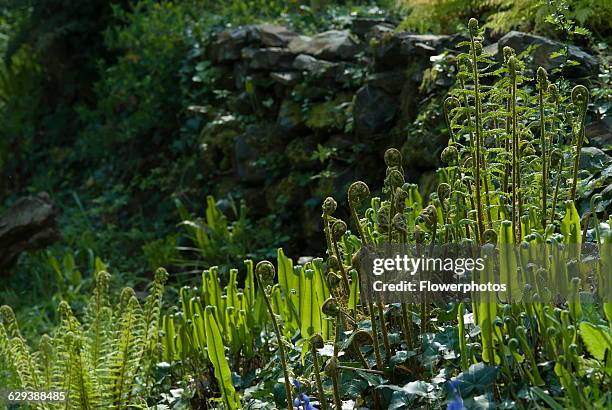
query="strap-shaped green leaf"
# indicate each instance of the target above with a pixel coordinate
(216, 354)
(310, 314)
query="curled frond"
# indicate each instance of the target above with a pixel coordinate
(265, 271)
(317, 341)
(393, 158)
(508, 52)
(330, 307)
(358, 191)
(473, 27)
(329, 206)
(429, 216)
(394, 179)
(449, 155)
(338, 229)
(580, 97)
(542, 79)
(444, 191)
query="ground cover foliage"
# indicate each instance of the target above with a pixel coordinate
(230, 329)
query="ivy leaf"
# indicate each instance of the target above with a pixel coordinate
(372, 379)
(353, 386)
(420, 388)
(482, 402)
(393, 397)
(479, 377)
(401, 357)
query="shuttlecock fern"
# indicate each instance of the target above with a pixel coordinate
(99, 362)
(123, 361)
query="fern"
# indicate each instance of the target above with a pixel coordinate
(124, 358)
(98, 361)
(98, 315)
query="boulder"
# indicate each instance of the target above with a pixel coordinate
(329, 45)
(272, 58)
(401, 49)
(541, 55)
(374, 111)
(241, 103)
(493, 50)
(593, 159)
(362, 25)
(271, 35)
(228, 44)
(314, 92)
(377, 32)
(312, 65)
(299, 152)
(288, 193)
(29, 224)
(247, 53)
(290, 119)
(286, 78)
(599, 133)
(391, 81)
(330, 114)
(247, 152)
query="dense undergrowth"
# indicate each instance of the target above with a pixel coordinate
(94, 106)
(264, 335)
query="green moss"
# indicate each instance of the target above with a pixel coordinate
(330, 114)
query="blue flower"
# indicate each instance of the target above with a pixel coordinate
(304, 401)
(457, 402)
(454, 385)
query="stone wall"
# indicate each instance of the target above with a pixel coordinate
(347, 95)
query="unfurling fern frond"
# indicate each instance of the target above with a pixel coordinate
(152, 318)
(25, 365)
(152, 305)
(10, 322)
(98, 316)
(82, 385)
(97, 362)
(45, 357)
(123, 362)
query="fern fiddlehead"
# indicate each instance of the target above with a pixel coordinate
(580, 98)
(476, 50)
(542, 85)
(265, 273)
(357, 192)
(513, 67)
